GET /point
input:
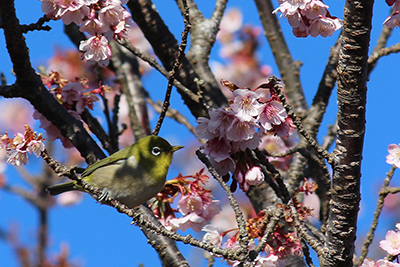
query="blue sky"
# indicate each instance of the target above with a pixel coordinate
(90, 228)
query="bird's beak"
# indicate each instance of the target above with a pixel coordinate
(175, 148)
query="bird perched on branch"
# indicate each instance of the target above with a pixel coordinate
(132, 175)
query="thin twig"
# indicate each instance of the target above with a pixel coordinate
(377, 213)
(288, 152)
(306, 253)
(381, 43)
(37, 26)
(175, 115)
(383, 52)
(275, 216)
(297, 121)
(303, 232)
(153, 62)
(181, 54)
(278, 178)
(96, 128)
(244, 238)
(261, 162)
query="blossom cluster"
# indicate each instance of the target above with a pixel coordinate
(196, 204)
(394, 19)
(18, 147)
(101, 19)
(394, 155)
(309, 17)
(230, 131)
(279, 246)
(74, 96)
(391, 244)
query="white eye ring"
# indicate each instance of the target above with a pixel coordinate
(156, 151)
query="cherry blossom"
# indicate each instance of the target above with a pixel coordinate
(273, 114)
(18, 147)
(325, 26)
(309, 17)
(391, 243)
(96, 49)
(394, 155)
(230, 131)
(379, 263)
(212, 235)
(196, 204)
(101, 19)
(393, 20)
(246, 105)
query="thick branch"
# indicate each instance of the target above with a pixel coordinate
(351, 89)
(203, 36)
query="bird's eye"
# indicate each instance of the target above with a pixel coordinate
(156, 151)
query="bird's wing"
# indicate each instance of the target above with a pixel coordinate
(118, 158)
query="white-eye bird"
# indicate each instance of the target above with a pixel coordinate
(132, 175)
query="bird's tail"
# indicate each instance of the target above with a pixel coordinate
(61, 188)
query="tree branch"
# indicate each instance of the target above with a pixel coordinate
(29, 86)
(351, 90)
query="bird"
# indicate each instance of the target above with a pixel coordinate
(132, 175)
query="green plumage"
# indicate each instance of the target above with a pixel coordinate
(132, 175)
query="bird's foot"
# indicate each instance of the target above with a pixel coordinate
(105, 194)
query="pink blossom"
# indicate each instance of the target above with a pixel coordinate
(191, 203)
(92, 26)
(241, 130)
(75, 16)
(394, 155)
(70, 198)
(391, 244)
(51, 9)
(379, 263)
(290, 7)
(191, 220)
(325, 26)
(273, 114)
(220, 121)
(111, 15)
(246, 105)
(18, 147)
(301, 31)
(196, 209)
(284, 129)
(296, 20)
(393, 20)
(96, 49)
(225, 166)
(210, 209)
(212, 236)
(35, 147)
(72, 93)
(70, 5)
(254, 176)
(251, 143)
(17, 158)
(314, 9)
(217, 149)
(269, 261)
